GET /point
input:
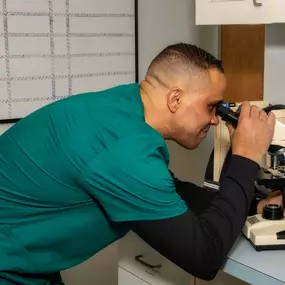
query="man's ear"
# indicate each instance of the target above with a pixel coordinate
(174, 99)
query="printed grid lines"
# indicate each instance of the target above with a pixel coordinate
(47, 77)
(57, 14)
(98, 54)
(52, 47)
(52, 56)
(66, 34)
(68, 47)
(8, 83)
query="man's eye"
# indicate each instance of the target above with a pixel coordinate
(212, 107)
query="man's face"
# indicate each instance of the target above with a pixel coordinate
(196, 111)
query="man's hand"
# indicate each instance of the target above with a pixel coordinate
(253, 134)
(273, 198)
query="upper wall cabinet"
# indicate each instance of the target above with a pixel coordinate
(227, 12)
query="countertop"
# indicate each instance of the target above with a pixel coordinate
(256, 268)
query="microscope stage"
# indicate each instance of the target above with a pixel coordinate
(265, 234)
(271, 179)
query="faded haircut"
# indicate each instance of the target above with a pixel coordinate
(183, 57)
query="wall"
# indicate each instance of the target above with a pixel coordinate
(164, 22)
(274, 83)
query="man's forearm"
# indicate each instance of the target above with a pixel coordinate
(199, 198)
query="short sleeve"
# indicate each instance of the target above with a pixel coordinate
(132, 182)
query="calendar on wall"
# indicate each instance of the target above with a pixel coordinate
(51, 49)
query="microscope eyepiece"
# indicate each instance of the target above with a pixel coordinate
(227, 114)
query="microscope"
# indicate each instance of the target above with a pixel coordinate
(266, 231)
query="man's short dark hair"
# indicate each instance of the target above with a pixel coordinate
(190, 55)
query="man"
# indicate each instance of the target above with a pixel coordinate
(80, 173)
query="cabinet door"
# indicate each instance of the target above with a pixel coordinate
(126, 278)
(278, 11)
(141, 260)
(100, 269)
(219, 12)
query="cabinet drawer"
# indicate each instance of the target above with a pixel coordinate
(137, 257)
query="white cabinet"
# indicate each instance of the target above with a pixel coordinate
(278, 11)
(100, 269)
(127, 278)
(142, 261)
(219, 12)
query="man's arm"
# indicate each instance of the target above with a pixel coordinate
(199, 198)
(134, 187)
(200, 244)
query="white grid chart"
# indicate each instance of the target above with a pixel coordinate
(50, 49)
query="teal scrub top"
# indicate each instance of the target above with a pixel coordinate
(70, 172)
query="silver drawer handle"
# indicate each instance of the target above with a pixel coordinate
(257, 4)
(140, 260)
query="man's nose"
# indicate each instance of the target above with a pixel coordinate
(215, 120)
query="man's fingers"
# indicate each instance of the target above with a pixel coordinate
(271, 119)
(230, 128)
(245, 109)
(275, 193)
(254, 111)
(263, 115)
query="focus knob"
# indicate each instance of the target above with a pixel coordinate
(273, 212)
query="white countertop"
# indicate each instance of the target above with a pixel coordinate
(255, 267)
